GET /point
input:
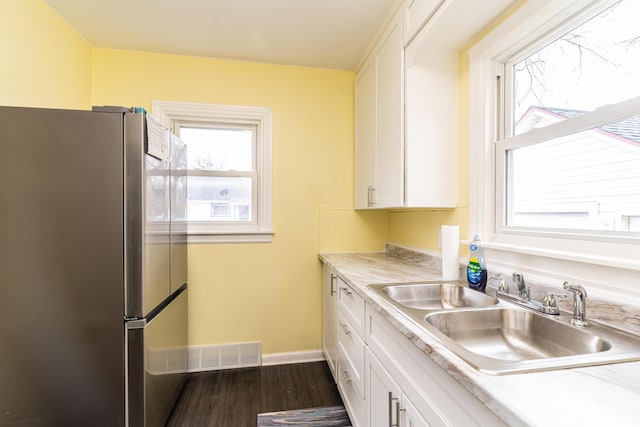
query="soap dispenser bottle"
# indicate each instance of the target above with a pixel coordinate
(476, 269)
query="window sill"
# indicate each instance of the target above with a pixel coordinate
(505, 248)
(265, 236)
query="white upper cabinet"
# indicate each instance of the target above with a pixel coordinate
(414, 14)
(379, 124)
(388, 190)
(404, 161)
(365, 135)
(431, 128)
(406, 102)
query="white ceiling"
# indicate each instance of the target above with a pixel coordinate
(313, 33)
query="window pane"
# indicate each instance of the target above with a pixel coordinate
(597, 63)
(218, 149)
(219, 199)
(589, 180)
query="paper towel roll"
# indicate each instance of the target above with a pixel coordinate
(450, 235)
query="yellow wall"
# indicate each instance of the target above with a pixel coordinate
(44, 62)
(239, 292)
(263, 292)
(420, 228)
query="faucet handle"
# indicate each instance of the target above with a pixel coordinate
(503, 287)
(549, 303)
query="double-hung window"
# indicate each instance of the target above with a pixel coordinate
(555, 133)
(228, 169)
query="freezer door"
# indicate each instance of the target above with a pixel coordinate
(157, 362)
(147, 205)
(61, 302)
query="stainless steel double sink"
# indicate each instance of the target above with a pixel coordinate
(498, 337)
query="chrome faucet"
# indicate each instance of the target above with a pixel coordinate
(579, 306)
(546, 305)
(518, 279)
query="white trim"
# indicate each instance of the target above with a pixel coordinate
(171, 113)
(520, 28)
(242, 355)
(588, 121)
(607, 266)
(574, 257)
(232, 237)
(293, 357)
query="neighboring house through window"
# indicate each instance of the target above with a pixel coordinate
(228, 169)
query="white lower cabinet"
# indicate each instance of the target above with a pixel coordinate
(330, 319)
(427, 395)
(351, 351)
(383, 378)
(382, 396)
(349, 387)
(385, 402)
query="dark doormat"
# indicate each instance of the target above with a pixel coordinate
(328, 416)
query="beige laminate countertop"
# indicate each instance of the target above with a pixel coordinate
(607, 395)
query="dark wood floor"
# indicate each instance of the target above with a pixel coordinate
(233, 398)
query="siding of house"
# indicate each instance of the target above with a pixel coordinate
(589, 172)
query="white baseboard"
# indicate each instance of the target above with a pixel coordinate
(293, 357)
(243, 355)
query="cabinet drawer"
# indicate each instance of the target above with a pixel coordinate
(350, 387)
(352, 306)
(353, 348)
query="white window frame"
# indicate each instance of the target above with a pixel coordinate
(174, 114)
(609, 265)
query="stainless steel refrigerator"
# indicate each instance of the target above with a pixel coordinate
(93, 275)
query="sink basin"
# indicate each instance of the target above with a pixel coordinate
(498, 337)
(434, 296)
(510, 340)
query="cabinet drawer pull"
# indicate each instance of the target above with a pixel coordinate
(344, 328)
(344, 374)
(345, 290)
(333, 280)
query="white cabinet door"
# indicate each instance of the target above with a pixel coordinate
(431, 128)
(365, 136)
(389, 54)
(330, 319)
(379, 124)
(382, 395)
(410, 415)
